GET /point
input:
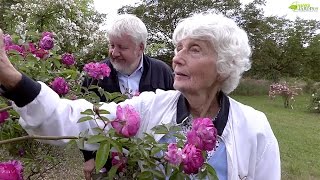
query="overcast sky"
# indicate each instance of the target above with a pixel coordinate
(273, 7)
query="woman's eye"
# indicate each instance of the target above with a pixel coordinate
(195, 50)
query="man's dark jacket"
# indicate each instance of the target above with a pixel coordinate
(156, 75)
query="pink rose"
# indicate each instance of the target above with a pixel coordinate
(68, 59)
(11, 170)
(60, 86)
(3, 116)
(46, 43)
(127, 122)
(203, 134)
(41, 53)
(174, 155)
(7, 40)
(192, 159)
(14, 47)
(97, 70)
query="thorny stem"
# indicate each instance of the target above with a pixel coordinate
(36, 137)
(6, 108)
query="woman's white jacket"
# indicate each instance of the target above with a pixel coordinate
(252, 149)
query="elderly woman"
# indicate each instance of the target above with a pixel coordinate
(211, 53)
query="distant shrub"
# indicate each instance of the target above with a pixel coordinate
(250, 87)
(315, 98)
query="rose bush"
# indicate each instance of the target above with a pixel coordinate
(286, 91)
(140, 158)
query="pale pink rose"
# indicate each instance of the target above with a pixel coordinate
(127, 122)
(203, 134)
(7, 40)
(192, 159)
(174, 154)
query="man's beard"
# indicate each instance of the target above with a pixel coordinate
(120, 67)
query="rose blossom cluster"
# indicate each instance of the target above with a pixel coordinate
(202, 137)
(41, 51)
(97, 70)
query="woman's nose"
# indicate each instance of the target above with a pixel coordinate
(178, 59)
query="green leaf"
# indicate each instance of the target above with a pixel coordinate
(112, 172)
(179, 136)
(85, 118)
(158, 174)
(155, 150)
(116, 145)
(72, 143)
(102, 111)
(102, 155)
(97, 138)
(146, 175)
(175, 129)
(88, 112)
(81, 143)
(176, 175)
(149, 138)
(212, 175)
(160, 129)
(98, 130)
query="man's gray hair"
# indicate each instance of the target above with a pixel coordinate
(128, 24)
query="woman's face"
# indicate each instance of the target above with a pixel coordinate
(194, 65)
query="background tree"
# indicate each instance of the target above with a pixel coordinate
(161, 18)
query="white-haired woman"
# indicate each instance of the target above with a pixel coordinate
(211, 54)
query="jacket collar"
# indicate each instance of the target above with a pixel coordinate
(183, 111)
(112, 82)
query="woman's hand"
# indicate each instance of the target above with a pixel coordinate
(9, 76)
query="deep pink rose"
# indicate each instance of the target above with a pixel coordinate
(192, 159)
(14, 47)
(97, 70)
(174, 155)
(46, 43)
(127, 122)
(60, 86)
(118, 159)
(41, 53)
(32, 47)
(203, 134)
(68, 59)
(11, 170)
(3, 116)
(7, 40)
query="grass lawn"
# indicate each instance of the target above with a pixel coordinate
(298, 134)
